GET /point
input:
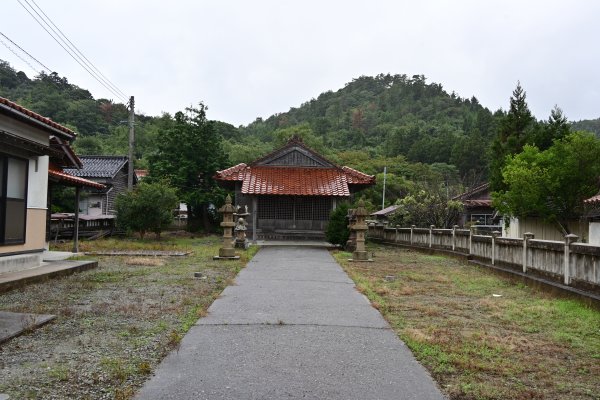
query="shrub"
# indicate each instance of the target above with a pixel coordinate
(337, 230)
(149, 207)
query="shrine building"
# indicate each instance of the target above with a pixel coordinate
(291, 191)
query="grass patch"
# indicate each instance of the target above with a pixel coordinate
(116, 322)
(518, 344)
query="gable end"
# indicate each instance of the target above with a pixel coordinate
(295, 156)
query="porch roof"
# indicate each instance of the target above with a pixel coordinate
(63, 177)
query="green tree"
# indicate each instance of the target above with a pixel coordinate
(512, 135)
(423, 209)
(147, 208)
(552, 183)
(188, 155)
(337, 231)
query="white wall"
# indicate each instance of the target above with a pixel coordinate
(37, 188)
(594, 233)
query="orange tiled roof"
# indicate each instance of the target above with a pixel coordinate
(294, 181)
(35, 116)
(63, 176)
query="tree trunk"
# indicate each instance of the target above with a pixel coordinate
(205, 218)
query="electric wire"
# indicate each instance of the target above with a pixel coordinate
(68, 51)
(19, 56)
(75, 49)
(23, 50)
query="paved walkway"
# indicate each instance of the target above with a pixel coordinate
(293, 326)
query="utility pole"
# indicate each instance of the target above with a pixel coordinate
(131, 142)
(384, 175)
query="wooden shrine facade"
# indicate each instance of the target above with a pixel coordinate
(291, 192)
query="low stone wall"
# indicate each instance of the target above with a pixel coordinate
(568, 262)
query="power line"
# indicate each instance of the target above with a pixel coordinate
(73, 47)
(18, 55)
(65, 49)
(23, 50)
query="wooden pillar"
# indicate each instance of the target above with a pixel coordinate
(254, 217)
(76, 226)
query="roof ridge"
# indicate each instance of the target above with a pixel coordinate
(38, 117)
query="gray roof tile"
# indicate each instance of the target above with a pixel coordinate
(98, 166)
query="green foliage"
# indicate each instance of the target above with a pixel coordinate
(187, 155)
(337, 231)
(513, 133)
(426, 208)
(149, 207)
(589, 125)
(552, 183)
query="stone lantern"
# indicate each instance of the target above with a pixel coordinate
(240, 227)
(360, 228)
(227, 252)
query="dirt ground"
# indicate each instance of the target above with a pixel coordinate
(115, 323)
(483, 336)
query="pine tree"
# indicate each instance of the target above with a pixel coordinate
(515, 130)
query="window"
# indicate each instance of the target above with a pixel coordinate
(13, 199)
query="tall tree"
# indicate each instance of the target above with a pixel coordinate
(551, 184)
(512, 135)
(188, 155)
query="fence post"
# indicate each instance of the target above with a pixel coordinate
(527, 236)
(570, 238)
(431, 235)
(471, 240)
(412, 228)
(495, 234)
(454, 237)
(396, 236)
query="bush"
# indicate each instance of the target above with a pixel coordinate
(337, 230)
(149, 207)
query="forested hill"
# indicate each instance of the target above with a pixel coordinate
(392, 115)
(590, 125)
(419, 131)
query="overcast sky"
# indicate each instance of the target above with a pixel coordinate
(249, 59)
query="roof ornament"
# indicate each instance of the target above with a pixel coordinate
(296, 138)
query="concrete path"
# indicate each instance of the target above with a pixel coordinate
(292, 327)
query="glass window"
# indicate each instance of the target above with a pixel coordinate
(13, 199)
(16, 178)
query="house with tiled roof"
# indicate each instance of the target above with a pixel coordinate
(477, 208)
(33, 151)
(291, 191)
(111, 173)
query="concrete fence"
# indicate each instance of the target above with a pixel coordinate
(571, 263)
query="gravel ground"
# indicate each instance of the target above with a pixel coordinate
(114, 324)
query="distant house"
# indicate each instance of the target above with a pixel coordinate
(478, 209)
(33, 150)
(110, 171)
(385, 214)
(291, 192)
(141, 173)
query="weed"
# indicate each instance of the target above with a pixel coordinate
(144, 368)
(59, 372)
(174, 339)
